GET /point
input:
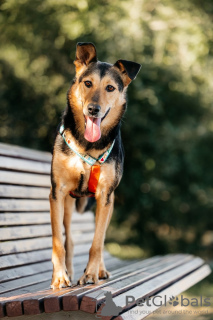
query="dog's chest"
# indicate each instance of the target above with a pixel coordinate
(78, 172)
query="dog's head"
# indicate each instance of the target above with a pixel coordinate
(100, 91)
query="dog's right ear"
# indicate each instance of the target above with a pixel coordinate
(85, 54)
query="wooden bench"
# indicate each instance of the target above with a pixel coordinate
(25, 249)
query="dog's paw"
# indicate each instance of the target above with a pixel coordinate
(88, 279)
(103, 274)
(60, 280)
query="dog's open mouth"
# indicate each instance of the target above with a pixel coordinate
(93, 131)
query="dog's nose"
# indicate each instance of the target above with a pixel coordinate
(93, 109)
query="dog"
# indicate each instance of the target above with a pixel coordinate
(88, 158)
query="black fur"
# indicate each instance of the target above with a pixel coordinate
(81, 182)
(102, 68)
(53, 183)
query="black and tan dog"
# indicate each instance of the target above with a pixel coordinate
(88, 158)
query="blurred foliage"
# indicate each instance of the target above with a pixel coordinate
(165, 201)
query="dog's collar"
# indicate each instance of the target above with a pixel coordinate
(87, 158)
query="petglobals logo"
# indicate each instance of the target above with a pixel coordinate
(159, 301)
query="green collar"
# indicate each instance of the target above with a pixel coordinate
(87, 158)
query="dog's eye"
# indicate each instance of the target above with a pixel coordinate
(110, 88)
(88, 84)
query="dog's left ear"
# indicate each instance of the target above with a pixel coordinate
(128, 69)
(85, 54)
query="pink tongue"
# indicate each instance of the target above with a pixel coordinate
(93, 131)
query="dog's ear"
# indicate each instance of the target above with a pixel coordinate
(128, 69)
(85, 54)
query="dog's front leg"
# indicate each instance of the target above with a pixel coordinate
(95, 267)
(68, 210)
(60, 278)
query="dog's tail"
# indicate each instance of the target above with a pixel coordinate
(84, 204)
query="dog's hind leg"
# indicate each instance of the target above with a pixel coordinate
(68, 210)
(81, 204)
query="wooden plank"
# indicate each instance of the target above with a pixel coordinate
(25, 232)
(25, 218)
(39, 231)
(26, 281)
(24, 258)
(53, 303)
(35, 256)
(39, 276)
(91, 300)
(25, 153)
(23, 205)
(28, 218)
(172, 291)
(17, 246)
(24, 165)
(71, 302)
(35, 304)
(14, 302)
(18, 192)
(26, 179)
(25, 245)
(15, 308)
(23, 271)
(154, 285)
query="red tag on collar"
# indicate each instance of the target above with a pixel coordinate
(94, 177)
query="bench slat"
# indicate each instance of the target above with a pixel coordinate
(21, 246)
(7, 191)
(156, 284)
(35, 256)
(24, 282)
(172, 291)
(91, 300)
(26, 179)
(23, 205)
(38, 231)
(25, 153)
(28, 279)
(17, 219)
(25, 245)
(14, 305)
(25, 258)
(17, 293)
(21, 259)
(79, 262)
(23, 271)
(24, 165)
(11, 219)
(71, 300)
(53, 302)
(35, 298)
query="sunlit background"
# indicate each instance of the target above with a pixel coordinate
(165, 201)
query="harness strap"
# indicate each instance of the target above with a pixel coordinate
(93, 179)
